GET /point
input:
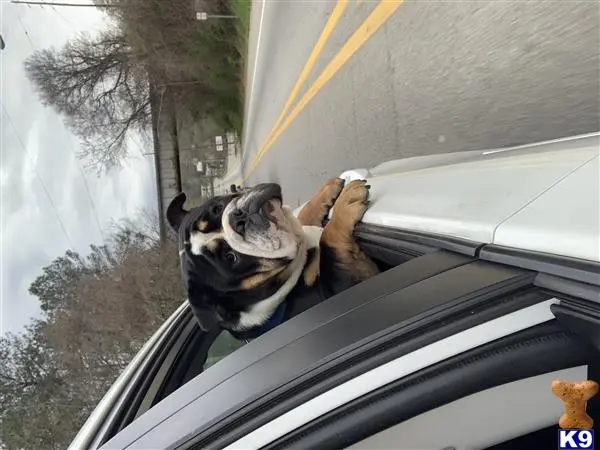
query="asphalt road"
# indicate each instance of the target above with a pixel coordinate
(434, 77)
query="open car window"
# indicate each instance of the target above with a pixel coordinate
(189, 355)
(224, 345)
(192, 351)
(186, 352)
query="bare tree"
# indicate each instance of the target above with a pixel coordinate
(36, 394)
(99, 310)
(101, 86)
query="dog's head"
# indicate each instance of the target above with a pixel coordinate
(237, 255)
(256, 223)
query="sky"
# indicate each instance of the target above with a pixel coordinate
(31, 235)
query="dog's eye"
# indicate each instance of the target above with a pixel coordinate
(217, 209)
(231, 257)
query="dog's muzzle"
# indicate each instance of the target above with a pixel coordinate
(254, 210)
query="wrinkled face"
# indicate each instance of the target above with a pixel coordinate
(256, 223)
(225, 277)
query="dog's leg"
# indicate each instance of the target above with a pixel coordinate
(350, 264)
(317, 209)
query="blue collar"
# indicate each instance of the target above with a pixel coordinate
(276, 319)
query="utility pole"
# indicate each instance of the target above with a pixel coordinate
(84, 5)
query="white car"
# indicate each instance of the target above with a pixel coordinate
(491, 290)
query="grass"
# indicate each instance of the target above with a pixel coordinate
(230, 41)
(241, 8)
(203, 62)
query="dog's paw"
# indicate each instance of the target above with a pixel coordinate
(330, 191)
(317, 208)
(352, 203)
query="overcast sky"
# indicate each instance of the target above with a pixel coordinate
(31, 236)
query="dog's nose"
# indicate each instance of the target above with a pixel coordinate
(238, 221)
(269, 190)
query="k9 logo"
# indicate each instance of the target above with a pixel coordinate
(570, 439)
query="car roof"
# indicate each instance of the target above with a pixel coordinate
(542, 197)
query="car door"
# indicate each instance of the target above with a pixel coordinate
(417, 304)
(434, 288)
(495, 395)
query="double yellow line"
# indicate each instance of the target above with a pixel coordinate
(372, 23)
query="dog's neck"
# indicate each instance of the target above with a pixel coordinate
(261, 312)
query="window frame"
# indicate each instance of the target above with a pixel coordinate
(578, 318)
(165, 364)
(485, 413)
(408, 397)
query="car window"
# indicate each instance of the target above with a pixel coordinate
(223, 346)
(194, 351)
(187, 352)
(197, 352)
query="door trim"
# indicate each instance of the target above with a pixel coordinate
(393, 370)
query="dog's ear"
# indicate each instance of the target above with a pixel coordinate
(176, 212)
(201, 304)
(205, 314)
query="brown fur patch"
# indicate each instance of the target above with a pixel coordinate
(311, 270)
(338, 233)
(202, 225)
(259, 278)
(317, 208)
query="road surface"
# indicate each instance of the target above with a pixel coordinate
(394, 79)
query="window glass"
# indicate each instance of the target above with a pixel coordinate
(223, 346)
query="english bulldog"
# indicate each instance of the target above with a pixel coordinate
(249, 263)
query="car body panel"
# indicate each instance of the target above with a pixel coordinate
(566, 218)
(472, 195)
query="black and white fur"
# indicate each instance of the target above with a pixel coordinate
(245, 257)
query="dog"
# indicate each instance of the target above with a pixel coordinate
(249, 264)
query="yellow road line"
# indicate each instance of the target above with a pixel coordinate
(378, 17)
(334, 18)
